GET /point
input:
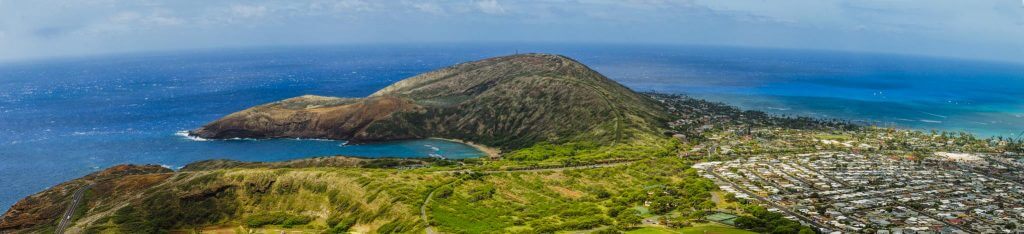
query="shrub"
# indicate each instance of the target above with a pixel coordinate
(443, 192)
(628, 218)
(610, 230)
(482, 193)
(585, 223)
(339, 224)
(276, 218)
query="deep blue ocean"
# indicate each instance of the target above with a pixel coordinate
(64, 118)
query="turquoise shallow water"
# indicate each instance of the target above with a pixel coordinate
(61, 119)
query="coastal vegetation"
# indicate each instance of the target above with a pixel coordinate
(580, 153)
(468, 198)
(311, 198)
(548, 201)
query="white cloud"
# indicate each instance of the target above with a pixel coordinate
(490, 7)
(315, 7)
(124, 17)
(248, 11)
(146, 20)
(126, 22)
(221, 15)
(163, 20)
(957, 28)
(429, 8)
(357, 5)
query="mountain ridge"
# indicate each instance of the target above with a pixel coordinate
(507, 102)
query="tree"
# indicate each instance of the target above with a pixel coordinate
(747, 222)
(707, 205)
(662, 204)
(729, 197)
(628, 218)
(784, 230)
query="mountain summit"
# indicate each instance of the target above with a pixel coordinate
(508, 102)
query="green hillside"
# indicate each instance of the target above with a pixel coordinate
(506, 102)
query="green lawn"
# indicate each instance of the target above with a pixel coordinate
(714, 228)
(710, 228)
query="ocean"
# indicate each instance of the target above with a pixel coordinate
(64, 118)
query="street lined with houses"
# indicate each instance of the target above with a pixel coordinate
(857, 193)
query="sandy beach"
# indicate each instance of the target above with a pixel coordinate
(490, 151)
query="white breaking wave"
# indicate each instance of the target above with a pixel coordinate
(930, 121)
(936, 115)
(171, 167)
(184, 133)
(311, 139)
(240, 139)
(93, 133)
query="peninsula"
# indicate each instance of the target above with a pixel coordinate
(506, 102)
(579, 152)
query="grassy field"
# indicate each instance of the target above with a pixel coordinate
(709, 228)
(721, 203)
(566, 200)
(367, 200)
(241, 229)
(337, 200)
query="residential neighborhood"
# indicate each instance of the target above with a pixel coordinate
(860, 193)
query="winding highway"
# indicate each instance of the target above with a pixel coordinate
(76, 200)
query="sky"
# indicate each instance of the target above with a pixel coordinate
(973, 29)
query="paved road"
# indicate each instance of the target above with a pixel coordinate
(76, 200)
(940, 219)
